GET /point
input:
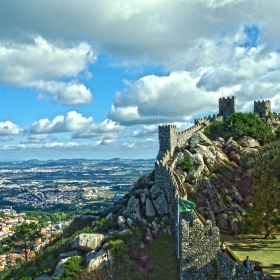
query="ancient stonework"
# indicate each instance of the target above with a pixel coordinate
(262, 108)
(227, 107)
(199, 246)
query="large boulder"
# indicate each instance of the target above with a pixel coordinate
(69, 254)
(150, 210)
(222, 220)
(121, 222)
(249, 142)
(199, 138)
(159, 200)
(87, 241)
(59, 268)
(101, 259)
(132, 209)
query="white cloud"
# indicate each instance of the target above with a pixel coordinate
(73, 121)
(9, 128)
(23, 63)
(39, 65)
(173, 98)
(64, 93)
(145, 131)
(138, 30)
(105, 130)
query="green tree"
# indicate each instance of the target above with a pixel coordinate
(264, 169)
(241, 124)
(26, 233)
(265, 201)
(187, 164)
(72, 267)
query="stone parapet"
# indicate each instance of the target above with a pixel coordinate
(199, 244)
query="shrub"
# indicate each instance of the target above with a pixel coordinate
(187, 164)
(72, 267)
(239, 125)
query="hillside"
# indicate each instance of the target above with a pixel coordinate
(140, 233)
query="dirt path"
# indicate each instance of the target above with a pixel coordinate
(265, 251)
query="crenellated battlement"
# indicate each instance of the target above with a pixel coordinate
(262, 108)
(262, 101)
(227, 98)
(227, 106)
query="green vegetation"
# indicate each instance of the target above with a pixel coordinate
(239, 125)
(71, 268)
(26, 233)
(265, 251)
(46, 262)
(130, 260)
(187, 164)
(263, 168)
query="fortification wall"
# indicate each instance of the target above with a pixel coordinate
(230, 270)
(199, 247)
(183, 136)
(262, 108)
(165, 179)
(167, 135)
(227, 106)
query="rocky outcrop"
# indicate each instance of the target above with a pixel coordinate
(87, 241)
(69, 254)
(133, 209)
(100, 259)
(249, 142)
(159, 200)
(59, 268)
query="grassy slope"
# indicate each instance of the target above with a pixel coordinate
(265, 251)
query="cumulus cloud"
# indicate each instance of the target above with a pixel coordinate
(167, 98)
(145, 131)
(164, 28)
(23, 63)
(9, 128)
(64, 93)
(40, 64)
(107, 129)
(72, 121)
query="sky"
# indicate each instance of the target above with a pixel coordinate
(93, 79)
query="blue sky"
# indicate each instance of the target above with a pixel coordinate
(86, 79)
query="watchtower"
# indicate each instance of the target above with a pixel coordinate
(227, 106)
(167, 135)
(262, 108)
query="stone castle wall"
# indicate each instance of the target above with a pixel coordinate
(165, 178)
(230, 270)
(167, 138)
(199, 247)
(227, 106)
(262, 108)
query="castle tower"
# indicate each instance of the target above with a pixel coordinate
(227, 107)
(167, 135)
(262, 108)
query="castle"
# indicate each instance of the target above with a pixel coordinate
(198, 240)
(171, 140)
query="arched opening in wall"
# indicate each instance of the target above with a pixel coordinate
(222, 112)
(260, 115)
